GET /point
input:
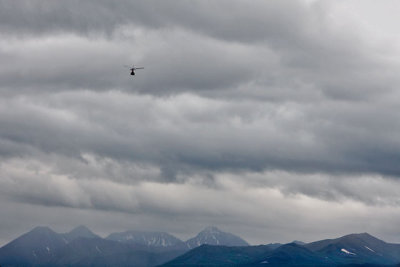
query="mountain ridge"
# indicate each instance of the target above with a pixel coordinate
(211, 235)
(148, 239)
(79, 232)
(81, 247)
(349, 250)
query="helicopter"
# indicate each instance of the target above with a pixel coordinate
(133, 69)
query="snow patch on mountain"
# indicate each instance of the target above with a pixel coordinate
(347, 252)
(370, 249)
(149, 239)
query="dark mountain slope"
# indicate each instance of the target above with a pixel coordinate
(37, 247)
(207, 255)
(101, 252)
(292, 254)
(357, 249)
(80, 247)
(351, 250)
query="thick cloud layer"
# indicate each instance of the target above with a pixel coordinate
(245, 115)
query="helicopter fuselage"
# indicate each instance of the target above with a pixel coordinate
(133, 69)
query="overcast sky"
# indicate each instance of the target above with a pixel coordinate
(274, 120)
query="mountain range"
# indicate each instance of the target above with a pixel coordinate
(350, 250)
(211, 247)
(81, 247)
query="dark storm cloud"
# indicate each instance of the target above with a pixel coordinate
(229, 135)
(49, 17)
(232, 20)
(188, 46)
(75, 63)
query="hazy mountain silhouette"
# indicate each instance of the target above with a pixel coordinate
(213, 236)
(79, 232)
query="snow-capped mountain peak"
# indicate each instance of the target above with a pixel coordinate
(148, 239)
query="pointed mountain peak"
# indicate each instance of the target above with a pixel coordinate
(42, 229)
(211, 230)
(80, 232)
(81, 229)
(354, 241)
(33, 248)
(211, 235)
(361, 236)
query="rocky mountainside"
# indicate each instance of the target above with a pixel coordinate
(148, 239)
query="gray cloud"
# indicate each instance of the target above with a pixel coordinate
(256, 208)
(229, 135)
(279, 44)
(226, 19)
